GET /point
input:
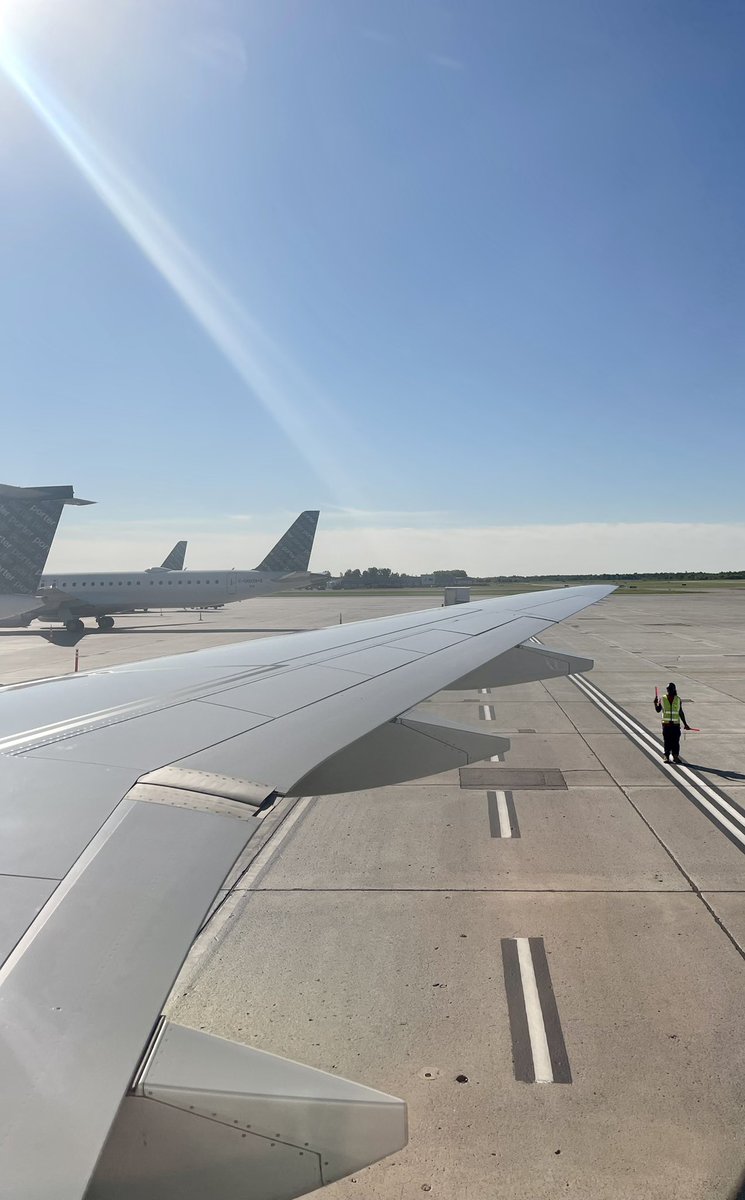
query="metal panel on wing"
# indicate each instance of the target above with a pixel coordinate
(250, 1123)
(522, 664)
(138, 896)
(46, 821)
(21, 899)
(415, 744)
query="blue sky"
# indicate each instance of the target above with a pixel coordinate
(451, 266)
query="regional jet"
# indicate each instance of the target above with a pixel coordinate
(69, 598)
(126, 796)
(28, 522)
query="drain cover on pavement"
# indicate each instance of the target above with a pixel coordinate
(512, 779)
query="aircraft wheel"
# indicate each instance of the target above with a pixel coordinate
(75, 626)
(105, 622)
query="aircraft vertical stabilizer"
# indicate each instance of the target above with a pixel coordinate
(292, 551)
(28, 523)
(175, 560)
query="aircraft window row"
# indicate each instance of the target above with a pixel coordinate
(128, 583)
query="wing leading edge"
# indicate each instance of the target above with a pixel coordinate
(156, 773)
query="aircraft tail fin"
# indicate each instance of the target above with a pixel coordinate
(175, 560)
(292, 551)
(28, 523)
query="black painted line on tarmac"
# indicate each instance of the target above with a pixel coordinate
(522, 1055)
(554, 1035)
(495, 829)
(495, 825)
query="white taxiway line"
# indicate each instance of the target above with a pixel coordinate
(536, 1028)
(487, 713)
(539, 1053)
(505, 827)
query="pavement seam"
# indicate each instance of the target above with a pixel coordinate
(460, 891)
(693, 887)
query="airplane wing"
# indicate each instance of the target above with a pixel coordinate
(125, 797)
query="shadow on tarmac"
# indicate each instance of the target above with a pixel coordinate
(739, 1192)
(58, 637)
(731, 775)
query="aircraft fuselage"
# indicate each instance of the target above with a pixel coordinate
(126, 591)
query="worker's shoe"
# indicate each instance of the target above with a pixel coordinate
(676, 760)
(665, 758)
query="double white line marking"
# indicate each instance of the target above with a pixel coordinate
(502, 816)
(539, 1053)
(718, 807)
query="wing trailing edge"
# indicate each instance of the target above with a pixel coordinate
(522, 664)
(412, 746)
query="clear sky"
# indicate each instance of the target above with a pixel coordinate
(451, 266)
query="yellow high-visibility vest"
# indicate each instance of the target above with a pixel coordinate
(671, 712)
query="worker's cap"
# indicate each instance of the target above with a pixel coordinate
(671, 687)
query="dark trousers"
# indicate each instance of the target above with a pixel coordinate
(671, 739)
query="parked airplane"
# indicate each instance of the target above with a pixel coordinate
(28, 522)
(69, 598)
(127, 795)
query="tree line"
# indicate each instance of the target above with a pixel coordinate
(384, 577)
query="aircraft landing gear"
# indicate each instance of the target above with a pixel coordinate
(75, 625)
(105, 622)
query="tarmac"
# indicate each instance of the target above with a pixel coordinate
(544, 958)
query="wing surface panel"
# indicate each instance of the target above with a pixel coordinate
(150, 741)
(284, 750)
(21, 899)
(48, 815)
(81, 991)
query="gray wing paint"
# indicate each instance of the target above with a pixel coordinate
(125, 797)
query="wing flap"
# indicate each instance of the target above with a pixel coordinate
(83, 989)
(210, 1117)
(522, 664)
(411, 746)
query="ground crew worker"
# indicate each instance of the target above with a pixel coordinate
(672, 715)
